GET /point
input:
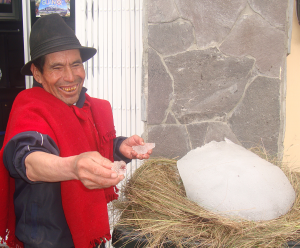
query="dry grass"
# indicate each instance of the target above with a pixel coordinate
(156, 206)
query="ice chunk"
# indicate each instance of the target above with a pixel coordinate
(119, 167)
(226, 178)
(143, 149)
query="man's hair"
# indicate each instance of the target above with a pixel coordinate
(39, 63)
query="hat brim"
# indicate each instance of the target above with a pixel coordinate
(85, 52)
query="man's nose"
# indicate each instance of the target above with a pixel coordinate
(68, 74)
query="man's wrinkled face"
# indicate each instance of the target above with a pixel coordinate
(63, 75)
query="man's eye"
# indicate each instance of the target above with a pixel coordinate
(57, 67)
(77, 64)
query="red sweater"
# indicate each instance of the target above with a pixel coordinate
(85, 210)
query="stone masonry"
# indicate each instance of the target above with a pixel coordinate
(214, 69)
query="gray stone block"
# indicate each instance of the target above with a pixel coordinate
(272, 11)
(203, 133)
(212, 20)
(256, 121)
(197, 133)
(218, 131)
(254, 36)
(170, 119)
(207, 84)
(159, 89)
(171, 141)
(171, 38)
(161, 11)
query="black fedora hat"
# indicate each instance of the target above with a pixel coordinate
(51, 34)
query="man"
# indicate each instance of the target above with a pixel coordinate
(58, 149)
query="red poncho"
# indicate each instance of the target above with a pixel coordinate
(85, 210)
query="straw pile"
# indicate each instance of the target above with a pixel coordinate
(155, 205)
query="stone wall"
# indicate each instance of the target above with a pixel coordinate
(214, 69)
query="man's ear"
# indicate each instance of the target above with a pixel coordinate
(36, 73)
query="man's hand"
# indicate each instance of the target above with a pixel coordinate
(128, 152)
(93, 170)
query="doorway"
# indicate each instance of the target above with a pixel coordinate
(11, 58)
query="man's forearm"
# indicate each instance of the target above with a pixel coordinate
(45, 167)
(92, 169)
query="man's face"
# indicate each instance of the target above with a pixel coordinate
(63, 75)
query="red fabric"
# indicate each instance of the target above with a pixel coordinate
(85, 210)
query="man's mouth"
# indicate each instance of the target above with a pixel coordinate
(69, 89)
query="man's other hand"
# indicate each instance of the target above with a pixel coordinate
(128, 152)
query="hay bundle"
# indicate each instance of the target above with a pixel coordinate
(155, 204)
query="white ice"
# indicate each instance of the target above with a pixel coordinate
(119, 167)
(143, 149)
(228, 179)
